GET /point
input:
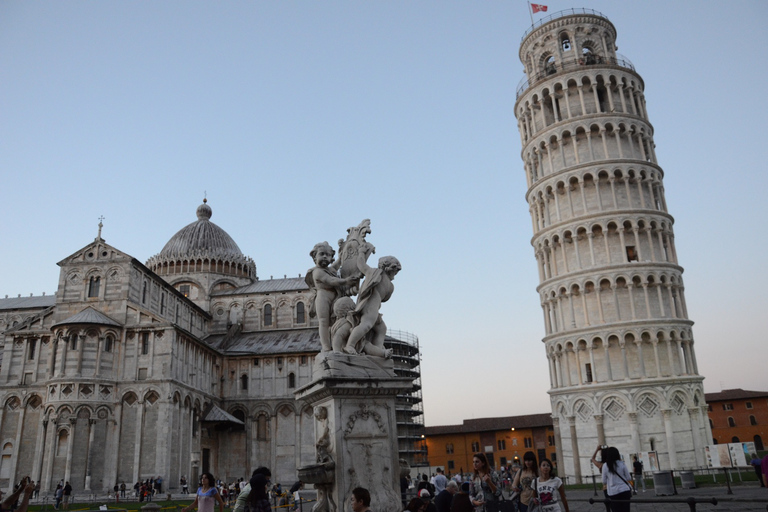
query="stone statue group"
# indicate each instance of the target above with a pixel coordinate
(347, 326)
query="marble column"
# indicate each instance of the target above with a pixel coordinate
(670, 434)
(600, 429)
(89, 453)
(575, 449)
(70, 448)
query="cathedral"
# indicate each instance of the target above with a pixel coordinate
(182, 365)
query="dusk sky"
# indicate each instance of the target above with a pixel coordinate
(298, 119)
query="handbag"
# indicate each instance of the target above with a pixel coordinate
(535, 505)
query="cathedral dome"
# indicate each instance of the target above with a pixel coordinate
(202, 246)
(201, 238)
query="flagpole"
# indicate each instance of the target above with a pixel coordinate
(530, 12)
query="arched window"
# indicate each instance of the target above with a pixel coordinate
(291, 380)
(731, 422)
(711, 424)
(244, 382)
(108, 343)
(73, 341)
(300, 318)
(61, 448)
(144, 293)
(758, 443)
(652, 441)
(752, 420)
(565, 42)
(241, 416)
(587, 55)
(93, 286)
(735, 439)
(267, 314)
(549, 65)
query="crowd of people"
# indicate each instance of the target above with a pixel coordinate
(481, 491)
(533, 485)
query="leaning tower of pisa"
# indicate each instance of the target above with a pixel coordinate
(618, 339)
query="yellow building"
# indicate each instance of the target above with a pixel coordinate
(503, 440)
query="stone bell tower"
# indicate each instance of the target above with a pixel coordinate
(618, 340)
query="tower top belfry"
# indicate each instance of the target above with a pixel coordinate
(618, 340)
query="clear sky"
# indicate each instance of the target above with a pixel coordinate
(301, 118)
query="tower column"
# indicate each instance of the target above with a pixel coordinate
(575, 448)
(667, 414)
(607, 355)
(600, 430)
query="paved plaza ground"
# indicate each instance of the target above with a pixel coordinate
(745, 498)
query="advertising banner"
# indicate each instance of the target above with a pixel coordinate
(737, 454)
(718, 456)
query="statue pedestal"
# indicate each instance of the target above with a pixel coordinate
(355, 430)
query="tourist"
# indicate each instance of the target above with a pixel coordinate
(616, 479)
(242, 498)
(258, 500)
(207, 496)
(461, 501)
(637, 473)
(67, 495)
(550, 492)
(486, 488)
(424, 484)
(440, 481)
(416, 505)
(58, 495)
(599, 465)
(184, 486)
(360, 500)
(524, 479)
(445, 497)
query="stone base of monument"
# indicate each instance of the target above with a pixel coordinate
(355, 431)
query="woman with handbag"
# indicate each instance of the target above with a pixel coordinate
(616, 479)
(486, 488)
(550, 493)
(524, 478)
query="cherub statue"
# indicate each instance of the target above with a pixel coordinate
(343, 310)
(325, 286)
(376, 289)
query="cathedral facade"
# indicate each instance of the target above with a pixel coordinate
(179, 366)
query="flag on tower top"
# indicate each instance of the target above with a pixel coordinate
(538, 8)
